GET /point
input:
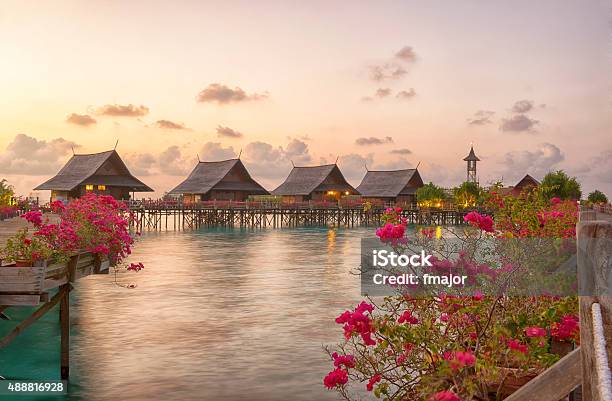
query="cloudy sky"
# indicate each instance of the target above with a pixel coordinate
(383, 84)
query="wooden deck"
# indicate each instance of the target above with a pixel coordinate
(9, 227)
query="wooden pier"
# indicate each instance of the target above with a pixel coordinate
(160, 217)
(33, 286)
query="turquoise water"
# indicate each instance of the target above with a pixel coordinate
(216, 314)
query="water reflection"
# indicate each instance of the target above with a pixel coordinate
(232, 315)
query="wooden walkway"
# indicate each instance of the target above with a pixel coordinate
(187, 217)
(9, 227)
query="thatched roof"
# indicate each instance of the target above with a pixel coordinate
(527, 180)
(472, 156)
(85, 169)
(305, 180)
(207, 176)
(390, 184)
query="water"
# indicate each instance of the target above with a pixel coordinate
(216, 315)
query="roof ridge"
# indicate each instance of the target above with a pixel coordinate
(319, 165)
(94, 154)
(218, 161)
(390, 171)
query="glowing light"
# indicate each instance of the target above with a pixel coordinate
(89, 187)
(347, 193)
(439, 232)
(101, 187)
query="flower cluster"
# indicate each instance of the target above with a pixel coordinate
(337, 377)
(135, 267)
(566, 329)
(358, 322)
(460, 359)
(485, 223)
(97, 224)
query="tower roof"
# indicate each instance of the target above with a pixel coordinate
(472, 156)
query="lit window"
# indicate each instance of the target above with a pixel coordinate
(89, 187)
(101, 187)
(346, 193)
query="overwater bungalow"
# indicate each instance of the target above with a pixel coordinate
(315, 183)
(220, 180)
(101, 173)
(392, 186)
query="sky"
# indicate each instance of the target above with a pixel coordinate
(382, 84)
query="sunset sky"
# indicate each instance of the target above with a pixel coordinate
(387, 84)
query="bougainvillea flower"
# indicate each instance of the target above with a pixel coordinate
(375, 379)
(337, 377)
(444, 396)
(535, 332)
(343, 360)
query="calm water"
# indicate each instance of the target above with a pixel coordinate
(216, 315)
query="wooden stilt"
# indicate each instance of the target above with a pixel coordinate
(65, 334)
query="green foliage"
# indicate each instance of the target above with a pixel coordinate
(466, 194)
(557, 184)
(25, 248)
(430, 195)
(597, 197)
(6, 193)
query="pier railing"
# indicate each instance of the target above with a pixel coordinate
(164, 215)
(587, 366)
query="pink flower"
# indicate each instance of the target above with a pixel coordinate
(34, 217)
(346, 360)
(460, 359)
(516, 346)
(477, 296)
(444, 396)
(364, 307)
(485, 223)
(375, 379)
(57, 206)
(337, 377)
(357, 322)
(398, 210)
(444, 317)
(135, 267)
(407, 317)
(567, 328)
(535, 332)
(555, 200)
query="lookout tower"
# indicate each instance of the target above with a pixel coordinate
(471, 160)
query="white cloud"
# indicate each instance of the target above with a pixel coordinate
(26, 155)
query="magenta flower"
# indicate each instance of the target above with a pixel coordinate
(407, 317)
(535, 332)
(343, 360)
(567, 328)
(337, 377)
(485, 223)
(517, 346)
(375, 379)
(459, 359)
(34, 217)
(444, 396)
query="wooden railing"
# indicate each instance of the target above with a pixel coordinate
(588, 365)
(607, 209)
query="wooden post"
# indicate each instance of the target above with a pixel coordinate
(595, 283)
(65, 334)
